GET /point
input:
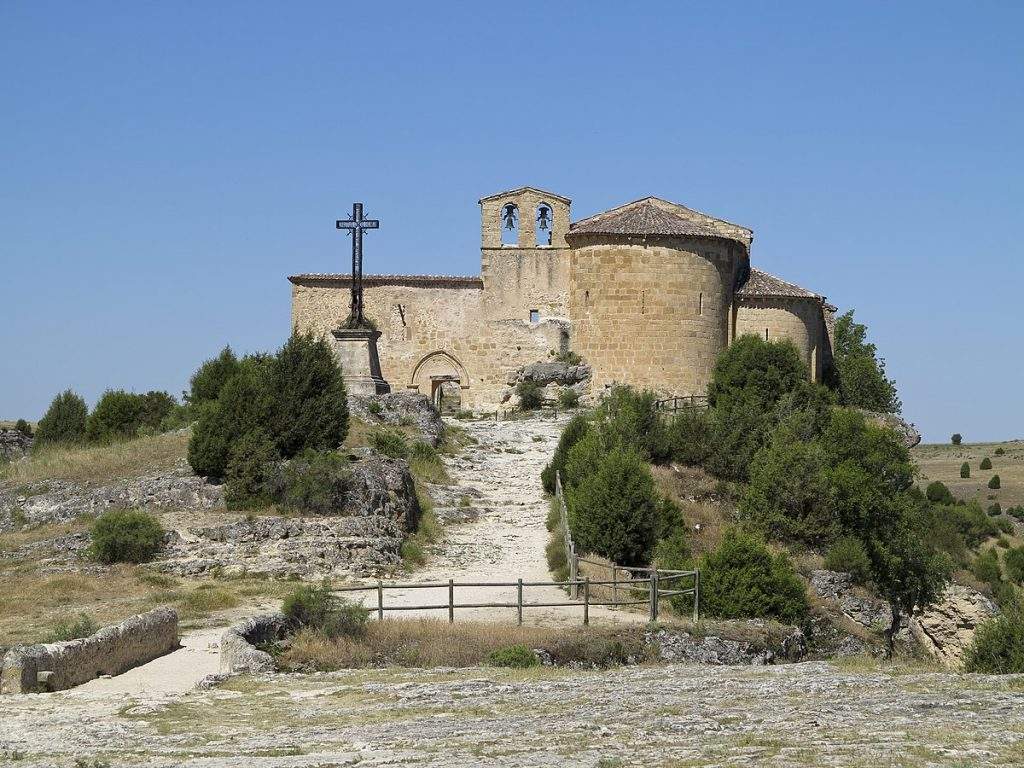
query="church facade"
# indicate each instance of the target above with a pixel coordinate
(648, 294)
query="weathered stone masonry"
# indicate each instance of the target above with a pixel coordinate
(648, 293)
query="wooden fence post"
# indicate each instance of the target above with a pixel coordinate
(451, 601)
(586, 601)
(615, 583)
(696, 596)
(652, 590)
(380, 600)
(519, 601)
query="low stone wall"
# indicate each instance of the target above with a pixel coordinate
(238, 651)
(111, 651)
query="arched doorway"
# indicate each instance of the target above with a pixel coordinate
(441, 377)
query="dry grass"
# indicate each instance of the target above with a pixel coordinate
(942, 462)
(99, 463)
(434, 643)
(698, 494)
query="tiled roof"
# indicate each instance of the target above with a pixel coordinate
(419, 281)
(762, 284)
(654, 216)
(541, 192)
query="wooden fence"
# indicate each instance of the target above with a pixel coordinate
(673, 404)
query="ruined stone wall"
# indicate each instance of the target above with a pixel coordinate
(433, 329)
(799, 320)
(653, 314)
(111, 651)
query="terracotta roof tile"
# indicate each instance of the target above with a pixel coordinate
(763, 284)
(654, 216)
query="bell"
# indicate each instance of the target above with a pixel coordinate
(542, 216)
(509, 214)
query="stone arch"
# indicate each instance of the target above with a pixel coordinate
(436, 372)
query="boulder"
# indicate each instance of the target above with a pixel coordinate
(238, 645)
(946, 628)
(14, 444)
(400, 409)
(907, 431)
(855, 603)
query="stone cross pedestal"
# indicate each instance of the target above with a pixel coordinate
(356, 350)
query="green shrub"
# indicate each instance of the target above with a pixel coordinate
(568, 357)
(995, 510)
(1004, 525)
(971, 522)
(390, 442)
(515, 656)
(986, 463)
(24, 427)
(179, 417)
(73, 629)
(1013, 561)
(613, 512)
(787, 497)
(245, 403)
(126, 536)
(314, 606)
(374, 407)
(64, 421)
(572, 434)
(555, 554)
(998, 645)
(938, 493)
(965, 470)
(316, 483)
(1000, 451)
(672, 552)
(743, 579)
(568, 398)
(212, 375)
(583, 459)
(986, 567)
(848, 555)
(530, 395)
(688, 435)
(251, 468)
(993, 482)
(308, 394)
(117, 416)
(956, 439)
(628, 418)
(1017, 512)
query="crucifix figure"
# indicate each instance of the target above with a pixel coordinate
(356, 225)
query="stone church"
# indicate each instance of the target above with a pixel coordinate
(647, 294)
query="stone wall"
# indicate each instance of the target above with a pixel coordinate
(652, 314)
(799, 320)
(433, 330)
(111, 651)
(13, 444)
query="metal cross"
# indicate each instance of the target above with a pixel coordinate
(356, 225)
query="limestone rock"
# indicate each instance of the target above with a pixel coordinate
(553, 377)
(400, 408)
(64, 500)
(683, 647)
(13, 444)
(907, 431)
(946, 628)
(857, 604)
(238, 645)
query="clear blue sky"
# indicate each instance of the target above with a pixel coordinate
(164, 166)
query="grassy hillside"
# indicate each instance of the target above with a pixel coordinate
(942, 462)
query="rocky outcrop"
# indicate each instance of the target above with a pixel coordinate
(907, 431)
(684, 647)
(14, 444)
(553, 377)
(855, 603)
(64, 500)
(362, 536)
(239, 651)
(111, 651)
(400, 409)
(946, 628)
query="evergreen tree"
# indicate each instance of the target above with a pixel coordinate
(64, 421)
(858, 373)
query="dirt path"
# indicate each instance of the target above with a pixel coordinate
(499, 479)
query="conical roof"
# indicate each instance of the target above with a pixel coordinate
(654, 216)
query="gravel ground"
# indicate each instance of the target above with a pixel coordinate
(809, 714)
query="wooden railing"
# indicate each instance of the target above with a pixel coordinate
(673, 404)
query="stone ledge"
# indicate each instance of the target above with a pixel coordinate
(111, 651)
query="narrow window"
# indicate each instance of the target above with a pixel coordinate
(643, 302)
(534, 316)
(766, 334)
(545, 222)
(586, 298)
(510, 224)
(700, 303)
